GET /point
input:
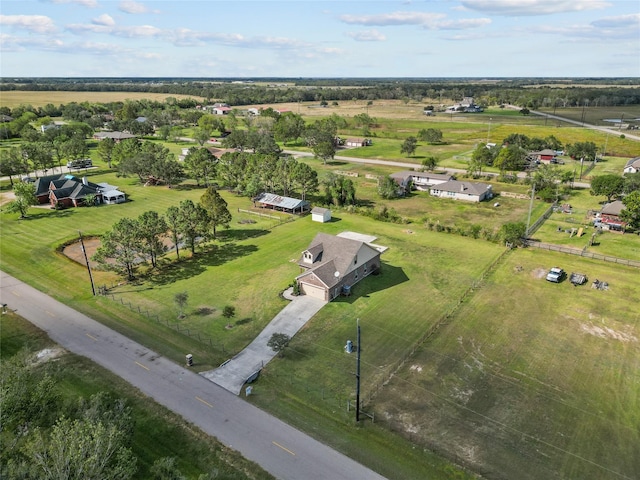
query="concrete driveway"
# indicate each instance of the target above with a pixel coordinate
(233, 374)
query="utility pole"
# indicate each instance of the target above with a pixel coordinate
(84, 252)
(533, 194)
(358, 373)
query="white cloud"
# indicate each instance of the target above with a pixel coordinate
(134, 8)
(104, 19)
(84, 3)
(394, 18)
(533, 7)
(367, 36)
(31, 23)
(631, 20)
(431, 21)
(136, 31)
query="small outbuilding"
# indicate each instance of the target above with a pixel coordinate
(319, 214)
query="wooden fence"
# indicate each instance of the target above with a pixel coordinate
(582, 253)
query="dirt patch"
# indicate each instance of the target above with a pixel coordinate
(539, 273)
(606, 332)
(48, 354)
(74, 251)
(7, 197)
(410, 232)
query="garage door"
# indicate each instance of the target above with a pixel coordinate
(312, 291)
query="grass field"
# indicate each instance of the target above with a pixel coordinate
(542, 384)
(15, 98)
(157, 432)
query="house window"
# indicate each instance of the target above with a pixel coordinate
(356, 277)
(355, 260)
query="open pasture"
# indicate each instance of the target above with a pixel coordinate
(530, 379)
(15, 98)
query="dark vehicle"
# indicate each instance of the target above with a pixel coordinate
(81, 163)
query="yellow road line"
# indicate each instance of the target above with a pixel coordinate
(204, 401)
(92, 337)
(283, 448)
(140, 365)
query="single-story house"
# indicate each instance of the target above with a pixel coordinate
(116, 136)
(281, 203)
(357, 142)
(468, 191)
(331, 265)
(609, 217)
(409, 179)
(71, 192)
(42, 186)
(221, 110)
(632, 166)
(544, 156)
(319, 214)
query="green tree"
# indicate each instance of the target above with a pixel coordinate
(165, 468)
(430, 135)
(387, 187)
(513, 233)
(581, 150)
(510, 158)
(288, 127)
(125, 149)
(105, 150)
(631, 212)
(409, 146)
(93, 447)
(122, 245)
(173, 223)
(152, 228)
(321, 137)
(278, 342)
(201, 164)
(201, 136)
(216, 208)
(608, 185)
(631, 182)
(305, 178)
(339, 190)
(193, 223)
(228, 312)
(11, 163)
(25, 197)
(430, 163)
(181, 300)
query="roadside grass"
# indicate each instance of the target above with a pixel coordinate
(597, 115)
(530, 379)
(157, 432)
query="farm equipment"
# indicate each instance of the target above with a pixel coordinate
(578, 278)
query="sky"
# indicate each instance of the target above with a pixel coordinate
(314, 38)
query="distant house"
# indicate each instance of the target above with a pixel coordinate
(331, 265)
(467, 191)
(467, 105)
(221, 110)
(544, 156)
(632, 166)
(423, 181)
(609, 217)
(116, 136)
(357, 142)
(281, 203)
(319, 214)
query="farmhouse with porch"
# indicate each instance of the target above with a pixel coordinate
(609, 217)
(467, 191)
(544, 156)
(331, 265)
(62, 191)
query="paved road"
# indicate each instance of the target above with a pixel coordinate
(280, 449)
(234, 373)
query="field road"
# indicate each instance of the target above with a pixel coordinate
(282, 450)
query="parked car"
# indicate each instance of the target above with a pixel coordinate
(556, 275)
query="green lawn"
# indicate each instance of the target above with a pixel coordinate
(531, 379)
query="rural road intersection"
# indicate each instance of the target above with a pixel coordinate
(282, 450)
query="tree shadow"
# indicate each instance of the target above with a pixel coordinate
(387, 277)
(203, 311)
(234, 235)
(244, 321)
(56, 214)
(336, 163)
(213, 256)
